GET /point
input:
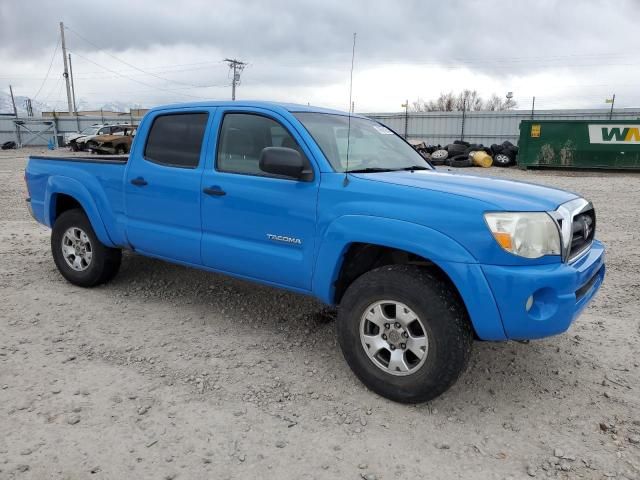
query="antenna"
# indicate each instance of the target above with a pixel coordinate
(346, 170)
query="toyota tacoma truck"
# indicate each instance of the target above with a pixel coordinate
(419, 261)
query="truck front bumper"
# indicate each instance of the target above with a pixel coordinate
(543, 300)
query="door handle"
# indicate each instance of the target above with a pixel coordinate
(217, 191)
(139, 182)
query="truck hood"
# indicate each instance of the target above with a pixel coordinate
(499, 193)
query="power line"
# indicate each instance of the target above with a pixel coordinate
(49, 69)
(96, 72)
(129, 64)
(56, 88)
(133, 79)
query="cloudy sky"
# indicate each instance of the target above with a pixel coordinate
(568, 53)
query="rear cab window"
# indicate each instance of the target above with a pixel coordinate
(175, 139)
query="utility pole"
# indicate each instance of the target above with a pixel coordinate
(13, 102)
(73, 88)
(533, 106)
(73, 94)
(406, 118)
(66, 71)
(613, 101)
(464, 112)
(29, 107)
(237, 66)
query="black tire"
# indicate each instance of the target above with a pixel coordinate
(455, 149)
(513, 150)
(104, 263)
(445, 320)
(461, 142)
(121, 150)
(476, 148)
(461, 161)
(502, 159)
(495, 148)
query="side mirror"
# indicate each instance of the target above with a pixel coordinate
(286, 162)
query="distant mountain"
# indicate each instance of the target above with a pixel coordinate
(118, 106)
(39, 107)
(6, 107)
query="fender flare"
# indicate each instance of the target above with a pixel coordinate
(387, 232)
(73, 188)
(455, 261)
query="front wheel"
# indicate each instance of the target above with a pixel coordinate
(80, 257)
(404, 333)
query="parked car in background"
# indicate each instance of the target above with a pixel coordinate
(80, 142)
(118, 143)
(92, 130)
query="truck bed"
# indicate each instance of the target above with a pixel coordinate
(95, 181)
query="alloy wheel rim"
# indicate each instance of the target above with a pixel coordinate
(393, 337)
(502, 158)
(77, 249)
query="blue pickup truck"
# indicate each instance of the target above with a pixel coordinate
(419, 261)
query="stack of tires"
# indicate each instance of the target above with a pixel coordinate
(464, 154)
(459, 154)
(426, 150)
(504, 155)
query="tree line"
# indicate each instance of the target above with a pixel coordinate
(465, 100)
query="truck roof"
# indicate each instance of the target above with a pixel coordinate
(290, 107)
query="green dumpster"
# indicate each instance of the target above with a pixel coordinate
(579, 144)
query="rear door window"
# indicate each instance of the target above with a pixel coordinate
(176, 139)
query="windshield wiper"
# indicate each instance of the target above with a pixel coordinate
(370, 170)
(411, 168)
(380, 169)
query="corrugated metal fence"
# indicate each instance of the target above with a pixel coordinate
(484, 127)
(431, 127)
(63, 125)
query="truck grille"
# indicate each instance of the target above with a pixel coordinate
(583, 231)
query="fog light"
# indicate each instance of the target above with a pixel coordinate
(529, 303)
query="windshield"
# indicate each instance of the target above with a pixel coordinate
(372, 147)
(90, 131)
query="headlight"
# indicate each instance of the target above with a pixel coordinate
(526, 234)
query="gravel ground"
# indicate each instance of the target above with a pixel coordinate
(168, 372)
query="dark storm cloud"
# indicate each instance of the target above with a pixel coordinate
(490, 36)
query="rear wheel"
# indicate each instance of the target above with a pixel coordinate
(404, 333)
(80, 257)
